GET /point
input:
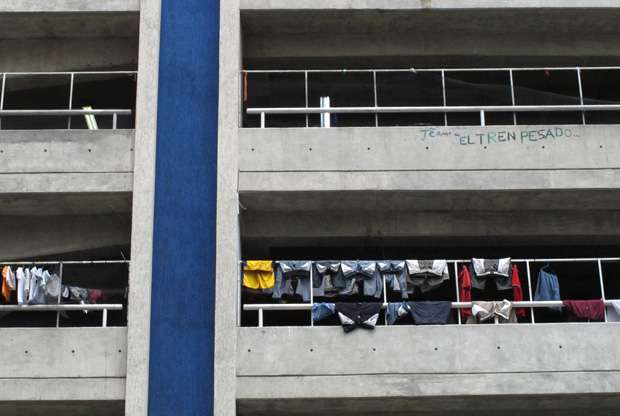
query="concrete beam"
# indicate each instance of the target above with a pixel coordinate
(482, 405)
(36, 236)
(432, 224)
(64, 6)
(66, 151)
(503, 349)
(424, 158)
(72, 353)
(423, 4)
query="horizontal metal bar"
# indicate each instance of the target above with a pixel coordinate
(557, 260)
(96, 112)
(65, 307)
(455, 305)
(75, 73)
(17, 263)
(434, 109)
(551, 68)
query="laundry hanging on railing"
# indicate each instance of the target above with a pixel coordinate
(491, 311)
(585, 310)
(422, 313)
(358, 315)
(37, 286)
(426, 274)
(258, 274)
(548, 287)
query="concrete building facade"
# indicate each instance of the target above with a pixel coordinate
(286, 130)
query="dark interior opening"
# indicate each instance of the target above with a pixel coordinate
(52, 92)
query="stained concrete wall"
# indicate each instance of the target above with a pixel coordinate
(423, 4)
(48, 161)
(427, 158)
(397, 365)
(63, 364)
(50, 55)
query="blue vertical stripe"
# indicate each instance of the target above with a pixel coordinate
(183, 287)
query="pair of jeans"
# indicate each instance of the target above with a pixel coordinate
(322, 311)
(325, 271)
(547, 287)
(293, 278)
(359, 270)
(395, 275)
(427, 275)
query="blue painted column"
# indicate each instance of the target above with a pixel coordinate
(183, 286)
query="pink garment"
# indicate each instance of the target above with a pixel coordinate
(95, 295)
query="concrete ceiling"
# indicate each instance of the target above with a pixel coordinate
(599, 21)
(430, 201)
(69, 25)
(65, 204)
(566, 405)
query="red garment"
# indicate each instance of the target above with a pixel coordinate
(465, 290)
(517, 291)
(592, 310)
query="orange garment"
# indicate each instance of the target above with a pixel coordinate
(258, 274)
(6, 289)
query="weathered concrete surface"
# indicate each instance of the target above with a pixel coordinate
(68, 41)
(323, 351)
(483, 405)
(66, 161)
(56, 6)
(587, 226)
(424, 4)
(227, 225)
(65, 408)
(140, 275)
(387, 34)
(392, 369)
(421, 158)
(44, 353)
(30, 237)
(66, 151)
(68, 55)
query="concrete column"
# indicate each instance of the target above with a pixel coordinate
(139, 313)
(228, 250)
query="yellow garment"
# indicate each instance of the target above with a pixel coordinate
(258, 274)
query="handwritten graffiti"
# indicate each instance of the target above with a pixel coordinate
(492, 137)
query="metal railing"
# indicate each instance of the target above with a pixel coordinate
(445, 109)
(61, 112)
(531, 304)
(63, 307)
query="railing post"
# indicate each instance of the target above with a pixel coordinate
(512, 97)
(114, 118)
(583, 113)
(482, 119)
(2, 96)
(325, 117)
(104, 320)
(262, 120)
(311, 292)
(306, 95)
(260, 317)
(59, 295)
(374, 88)
(600, 278)
(72, 77)
(445, 115)
(456, 279)
(529, 288)
(239, 289)
(385, 302)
